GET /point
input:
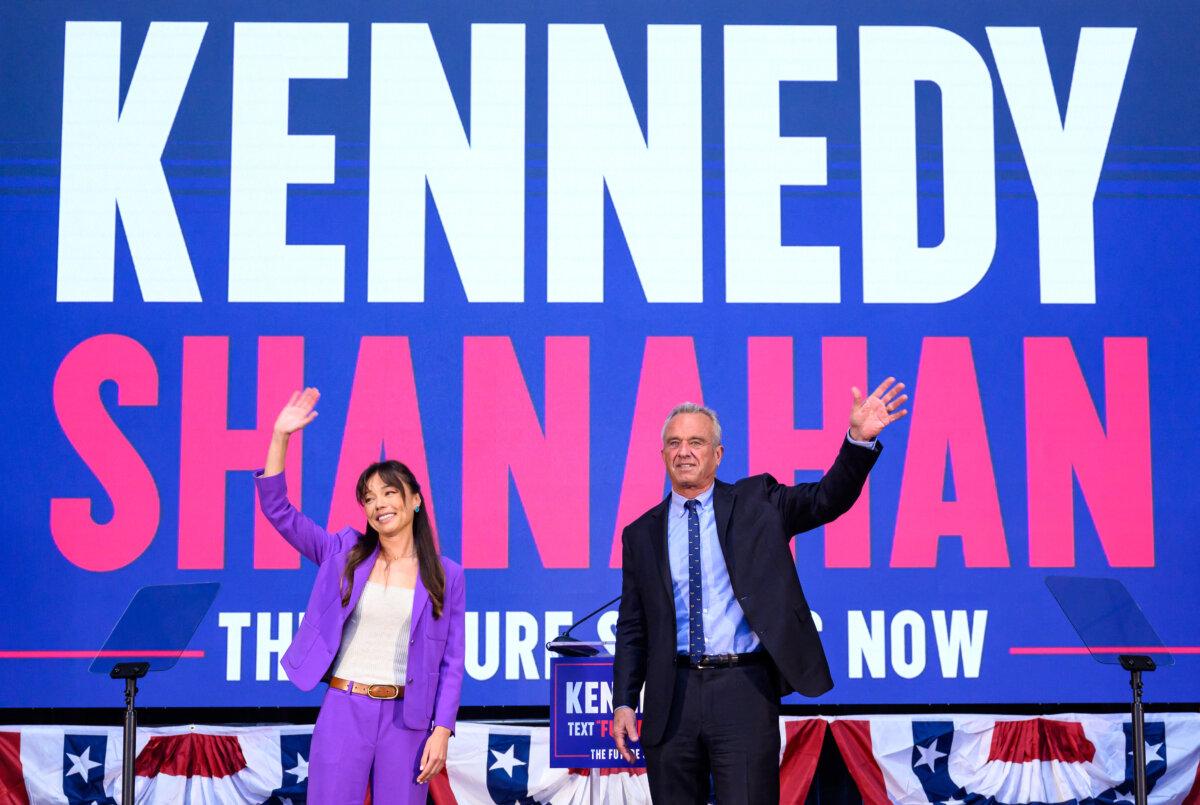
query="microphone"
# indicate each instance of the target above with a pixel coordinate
(567, 646)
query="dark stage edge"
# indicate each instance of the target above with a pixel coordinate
(167, 716)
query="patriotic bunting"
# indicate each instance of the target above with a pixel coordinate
(910, 760)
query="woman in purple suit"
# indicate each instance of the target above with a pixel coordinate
(384, 627)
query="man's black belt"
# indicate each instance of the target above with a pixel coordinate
(720, 660)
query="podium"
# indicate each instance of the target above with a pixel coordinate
(581, 713)
(1115, 632)
(156, 628)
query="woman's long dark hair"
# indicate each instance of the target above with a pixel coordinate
(433, 575)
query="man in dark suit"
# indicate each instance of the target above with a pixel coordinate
(712, 616)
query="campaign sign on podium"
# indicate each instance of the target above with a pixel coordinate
(581, 714)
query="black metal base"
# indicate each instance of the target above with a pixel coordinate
(131, 672)
(1135, 664)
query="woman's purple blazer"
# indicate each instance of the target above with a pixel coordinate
(436, 645)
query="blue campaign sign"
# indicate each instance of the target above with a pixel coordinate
(504, 242)
(581, 710)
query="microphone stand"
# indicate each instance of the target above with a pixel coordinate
(567, 646)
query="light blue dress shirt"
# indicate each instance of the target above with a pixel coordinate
(725, 627)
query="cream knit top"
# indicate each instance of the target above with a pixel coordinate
(374, 647)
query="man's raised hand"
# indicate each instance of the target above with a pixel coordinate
(299, 411)
(872, 414)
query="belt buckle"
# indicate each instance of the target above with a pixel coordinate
(395, 691)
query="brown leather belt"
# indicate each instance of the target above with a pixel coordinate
(720, 660)
(374, 691)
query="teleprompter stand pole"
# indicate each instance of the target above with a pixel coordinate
(131, 672)
(1135, 664)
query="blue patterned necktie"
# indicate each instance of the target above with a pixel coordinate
(695, 591)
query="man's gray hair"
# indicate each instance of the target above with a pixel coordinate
(695, 408)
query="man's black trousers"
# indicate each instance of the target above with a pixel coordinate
(723, 722)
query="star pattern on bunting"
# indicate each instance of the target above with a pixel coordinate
(300, 770)
(1152, 753)
(506, 760)
(81, 764)
(929, 755)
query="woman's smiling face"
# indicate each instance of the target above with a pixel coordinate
(389, 509)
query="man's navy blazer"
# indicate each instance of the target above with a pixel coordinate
(756, 520)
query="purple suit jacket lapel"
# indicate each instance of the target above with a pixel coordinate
(420, 604)
(361, 574)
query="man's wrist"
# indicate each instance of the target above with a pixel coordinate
(860, 440)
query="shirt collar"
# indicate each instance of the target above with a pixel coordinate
(703, 499)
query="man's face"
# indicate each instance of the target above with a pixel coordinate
(689, 453)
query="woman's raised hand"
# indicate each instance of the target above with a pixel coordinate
(299, 411)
